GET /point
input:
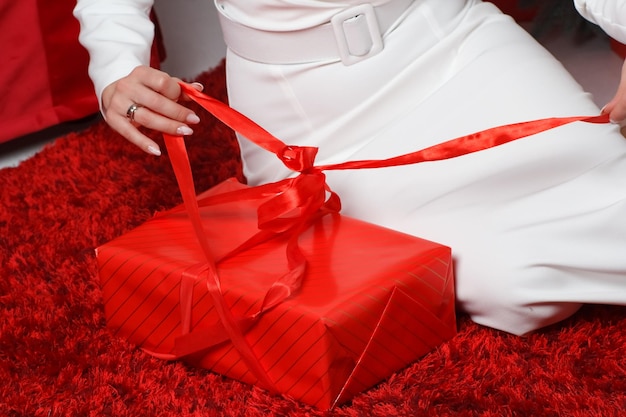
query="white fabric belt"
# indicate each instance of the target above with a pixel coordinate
(354, 34)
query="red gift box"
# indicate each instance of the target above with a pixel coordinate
(371, 302)
(271, 286)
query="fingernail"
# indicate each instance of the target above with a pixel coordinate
(198, 86)
(184, 131)
(602, 110)
(154, 150)
(193, 118)
(614, 121)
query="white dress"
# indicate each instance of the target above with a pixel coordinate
(537, 226)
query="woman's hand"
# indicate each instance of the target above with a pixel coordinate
(616, 108)
(147, 97)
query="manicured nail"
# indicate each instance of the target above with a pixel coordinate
(193, 118)
(184, 131)
(154, 151)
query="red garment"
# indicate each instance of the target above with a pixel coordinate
(43, 76)
(39, 44)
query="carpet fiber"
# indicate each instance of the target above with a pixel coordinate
(58, 359)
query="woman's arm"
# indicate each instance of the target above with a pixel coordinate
(118, 35)
(610, 15)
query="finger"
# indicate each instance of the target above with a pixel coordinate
(164, 106)
(618, 115)
(196, 86)
(616, 108)
(158, 81)
(144, 116)
(607, 108)
(152, 89)
(130, 132)
(170, 87)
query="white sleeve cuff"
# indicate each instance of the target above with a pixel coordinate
(610, 15)
(118, 36)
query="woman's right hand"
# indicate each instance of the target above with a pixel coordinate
(616, 108)
(154, 95)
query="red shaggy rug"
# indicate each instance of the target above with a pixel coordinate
(58, 359)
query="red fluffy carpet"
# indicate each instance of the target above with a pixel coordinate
(58, 359)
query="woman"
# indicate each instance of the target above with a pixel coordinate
(536, 226)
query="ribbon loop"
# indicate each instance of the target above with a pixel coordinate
(298, 158)
(305, 194)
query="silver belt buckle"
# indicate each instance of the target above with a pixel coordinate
(357, 33)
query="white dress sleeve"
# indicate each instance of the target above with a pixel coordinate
(118, 35)
(610, 15)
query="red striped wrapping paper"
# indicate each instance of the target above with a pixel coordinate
(372, 300)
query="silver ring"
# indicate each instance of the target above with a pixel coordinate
(130, 113)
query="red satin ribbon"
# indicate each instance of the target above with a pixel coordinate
(290, 206)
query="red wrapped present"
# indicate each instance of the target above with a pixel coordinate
(271, 286)
(371, 301)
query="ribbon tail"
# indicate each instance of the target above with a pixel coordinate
(471, 143)
(235, 120)
(182, 169)
(236, 334)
